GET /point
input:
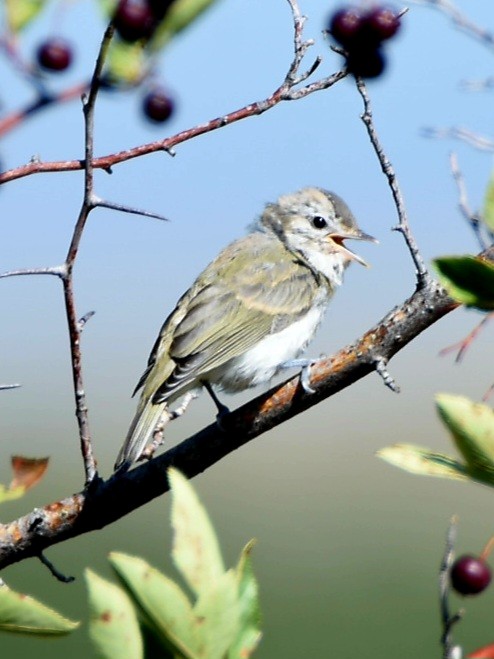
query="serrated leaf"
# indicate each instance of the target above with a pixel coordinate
(468, 279)
(20, 13)
(218, 609)
(249, 633)
(423, 461)
(472, 427)
(179, 16)
(113, 626)
(488, 210)
(196, 552)
(164, 604)
(22, 614)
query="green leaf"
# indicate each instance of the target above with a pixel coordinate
(180, 15)
(21, 12)
(249, 633)
(196, 551)
(468, 280)
(218, 610)
(488, 210)
(113, 627)
(8, 494)
(22, 614)
(165, 606)
(472, 428)
(423, 461)
(126, 63)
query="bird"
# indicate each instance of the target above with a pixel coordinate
(251, 312)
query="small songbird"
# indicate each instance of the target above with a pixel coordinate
(251, 311)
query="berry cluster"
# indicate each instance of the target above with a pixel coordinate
(136, 20)
(362, 33)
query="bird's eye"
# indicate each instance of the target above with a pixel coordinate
(319, 222)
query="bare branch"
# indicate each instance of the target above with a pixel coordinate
(472, 218)
(74, 326)
(423, 277)
(450, 651)
(57, 271)
(461, 21)
(458, 133)
(285, 92)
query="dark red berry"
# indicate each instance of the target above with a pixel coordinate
(134, 20)
(158, 106)
(54, 54)
(160, 7)
(366, 62)
(381, 23)
(470, 575)
(345, 25)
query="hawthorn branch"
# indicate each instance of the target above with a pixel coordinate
(107, 501)
(287, 91)
(423, 277)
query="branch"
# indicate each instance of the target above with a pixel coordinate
(287, 91)
(448, 620)
(423, 277)
(106, 501)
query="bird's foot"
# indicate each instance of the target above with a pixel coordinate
(305, 365)
(223, 410)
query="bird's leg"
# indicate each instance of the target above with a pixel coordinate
(222, 409)
(305, 365)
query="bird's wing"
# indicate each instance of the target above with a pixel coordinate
(235, 303)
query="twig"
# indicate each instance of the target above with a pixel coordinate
(461, 21)
(56, 573)
(450, 651)
(462, 346)
(101, 203)
(423, 277)
(70, 307)
(44, 100)
(4, 387)
(57, 271)
(458, 133)
(108, 501)
(471, 217)
(285, 92)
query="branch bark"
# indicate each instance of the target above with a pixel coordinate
(106, 501)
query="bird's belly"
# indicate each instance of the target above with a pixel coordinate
(261, 362)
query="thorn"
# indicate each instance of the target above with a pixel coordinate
(82, 321)
(380, 365)
(4, 387)
(128, 209)
(58, 575)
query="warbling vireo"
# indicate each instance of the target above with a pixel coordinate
(251, 311)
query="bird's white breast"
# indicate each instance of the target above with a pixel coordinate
(261, 362)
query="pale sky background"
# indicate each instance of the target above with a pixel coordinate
(348, 547)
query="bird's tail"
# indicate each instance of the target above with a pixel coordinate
(140, 433)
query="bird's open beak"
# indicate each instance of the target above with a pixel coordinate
(339, 240)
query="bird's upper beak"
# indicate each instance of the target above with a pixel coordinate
(339, 239)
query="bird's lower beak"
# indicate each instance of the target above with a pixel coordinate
(339, 239)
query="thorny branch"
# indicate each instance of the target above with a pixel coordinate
(423, 277)
(287, 91)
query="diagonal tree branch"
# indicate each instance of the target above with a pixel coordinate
(106, 501)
